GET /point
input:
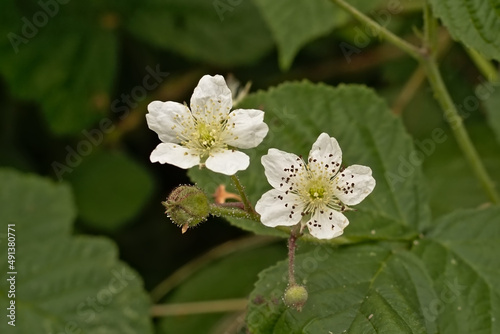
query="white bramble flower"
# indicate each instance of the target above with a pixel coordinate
(313, 193)
(208, 134)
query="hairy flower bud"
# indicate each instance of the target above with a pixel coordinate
(295, 296)
(187, 206)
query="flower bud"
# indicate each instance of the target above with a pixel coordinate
(187, 206)
(295, 296)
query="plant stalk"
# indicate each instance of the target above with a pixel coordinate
(244, 198)
(459, 131)
(211, 306)
(483, 65)
(426, 57)
(292, 245)
(235, 210)
(409, 48)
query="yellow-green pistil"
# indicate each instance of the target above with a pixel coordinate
(317, 192)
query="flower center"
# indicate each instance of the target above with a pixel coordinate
(316, 193)
(207, 136)
(316, 190)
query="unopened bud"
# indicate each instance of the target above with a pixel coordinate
(187, 206)
(295, 296)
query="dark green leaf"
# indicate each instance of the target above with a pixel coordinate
(461, 256)
(295, 23)
(24, 197)
(450, 178)
(473, 22)
(63, 283)
(67, 64)
(110, 189)
(357, 289)
(219, 32)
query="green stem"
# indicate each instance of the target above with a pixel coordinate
(244, 198)
(450, 111)
(211, 306)
(430, 30)
(427, 59)
(483, 65)
(456, 124)
(291, 260)
(294, 235)
(231, 211)
(411, 49)
(220, 251)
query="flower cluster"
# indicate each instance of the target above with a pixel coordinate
(314, 193)
(208, 133)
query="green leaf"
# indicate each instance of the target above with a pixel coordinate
(450, 177)
(496, 6)
(220, 32)
(110, 189)
(63, 283)
(357, 289)
(367, 133)
(24, 197)
(66, 64)
(473, 22)
(295, 23)
(461, 256)
(492, 104)
(65, 57)
(228, 278)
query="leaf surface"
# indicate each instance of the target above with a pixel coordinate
(473, 22)
(63, 283)
(356, 289)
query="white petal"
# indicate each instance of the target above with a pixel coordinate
(355, 183)
(327, 225)
(246, 128)
(168, 120)
(326, 149)
(211, 98)
(174, 154)
(281, 168)
(279, 209)
(227, 162)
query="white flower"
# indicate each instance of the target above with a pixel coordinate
(313, 193)
(207, 134)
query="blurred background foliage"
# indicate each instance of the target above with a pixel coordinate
(79, 74)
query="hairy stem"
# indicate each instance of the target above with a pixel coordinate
(223, 210)
(244, 198)
(292, 244)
